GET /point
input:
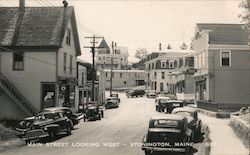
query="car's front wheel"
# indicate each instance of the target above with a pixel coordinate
(147, 152)
(69, 130)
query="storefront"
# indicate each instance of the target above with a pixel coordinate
(66, 95)
(200, 88)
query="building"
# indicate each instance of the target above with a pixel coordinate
(37, 59)
(105, 55)
(159, 71)
(85, 83)
(124, 78)
(182, 77)
(222, 59)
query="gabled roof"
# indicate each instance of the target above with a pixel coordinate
(103, 44)
(36, 27)
(225, 33)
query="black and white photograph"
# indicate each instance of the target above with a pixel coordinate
(124, 77)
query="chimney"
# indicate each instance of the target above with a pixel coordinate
(159, 46)
(22, 5)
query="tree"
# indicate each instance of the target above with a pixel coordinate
(141, 53)
(245, 16)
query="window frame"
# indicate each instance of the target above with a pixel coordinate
(163, 64)
(13, 63)
(68, 37)
(65, 62)
(230, 58)
(70, 64)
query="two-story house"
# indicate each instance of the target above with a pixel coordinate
(38, 50)
(222, 55)
(159, 72)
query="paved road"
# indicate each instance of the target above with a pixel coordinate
(122, 127)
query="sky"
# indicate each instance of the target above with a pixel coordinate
(143, 23)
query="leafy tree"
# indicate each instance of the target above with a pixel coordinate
(245, 16)
(141, 53)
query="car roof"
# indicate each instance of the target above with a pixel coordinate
(162, 97)
(184, 109)
(49, 112)
(168, 116)
(55, 108)
(175, 101)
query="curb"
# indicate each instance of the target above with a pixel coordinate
(212, 113)
(11, 143)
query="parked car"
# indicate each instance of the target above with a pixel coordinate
(136, 93)
(160, 103)
(112, 98)
(151, 95)
(111, 104)
(167, 133)
(169, 105)
(194, 122)
(171, 96)
(46, 124)
(93, 112)
(74, 117)
(116, 96)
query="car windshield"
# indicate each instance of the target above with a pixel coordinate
(166, 123)
(183, 113)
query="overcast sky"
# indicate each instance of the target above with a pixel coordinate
(145, 23)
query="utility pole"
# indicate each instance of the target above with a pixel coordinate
(93, 47)
(111, 69)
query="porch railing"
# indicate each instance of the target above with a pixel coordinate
(17, 96)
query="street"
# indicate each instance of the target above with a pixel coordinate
(119, 132)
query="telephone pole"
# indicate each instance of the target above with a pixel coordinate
(93, 47)
(111, 69)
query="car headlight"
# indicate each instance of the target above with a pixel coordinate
(45, 128)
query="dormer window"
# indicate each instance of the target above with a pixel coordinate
(68, 37)
(163, 64)
(171, 64)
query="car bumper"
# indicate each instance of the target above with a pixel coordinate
(34, 134)
(167, 149)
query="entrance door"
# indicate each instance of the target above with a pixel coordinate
(48, 92)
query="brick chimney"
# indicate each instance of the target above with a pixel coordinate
(22, 5)
(159, 46)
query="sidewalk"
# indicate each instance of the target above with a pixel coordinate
(224, 140)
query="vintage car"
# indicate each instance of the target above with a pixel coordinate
(194, 122)
(171, 96)
(111, 104)
(151, 95)
(116, 96)
(93, 112)
(135, 93)
(159, 102)
(167, 133)
(46, 124)
(74, 117)
(169, 105)
(112, 98)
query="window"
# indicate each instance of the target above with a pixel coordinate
(163, 64)
(106, 74)
(225, 58)
(68, 37)
(82, 77)
(100, 58)
(64, 62)
(161, 86)
(155, 75)
(171, 64)
(18, 61)
(162, 75)
(120, 75)
(70, 64)
(125, 82)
